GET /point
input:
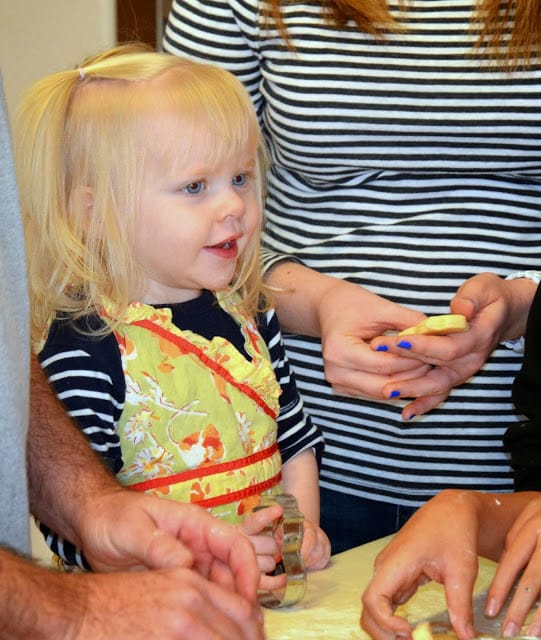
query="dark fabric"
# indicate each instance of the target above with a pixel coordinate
(523, 440)
(349, 520)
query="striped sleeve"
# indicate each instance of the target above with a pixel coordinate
(89, 397)
(296, 431)
(89, 382)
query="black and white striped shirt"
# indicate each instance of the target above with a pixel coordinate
(86, 373)
(405, 165)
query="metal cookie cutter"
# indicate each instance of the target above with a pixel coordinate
(290, 525)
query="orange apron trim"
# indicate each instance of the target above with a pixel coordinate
(187, 347)
(201, 472)
(234, 496)
(225, 498)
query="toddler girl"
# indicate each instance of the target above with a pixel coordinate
(141, 189)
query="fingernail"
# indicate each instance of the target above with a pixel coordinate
(534, 630)
(382, 347)
(490, 609)
(510, 630)
(413, 415)
(404, 344)
(394, 394)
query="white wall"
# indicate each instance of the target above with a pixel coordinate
(38, 37)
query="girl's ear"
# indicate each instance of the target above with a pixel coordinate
(82, 198)
(82, 207)
(87, 197)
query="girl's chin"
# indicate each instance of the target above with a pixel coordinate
(220, 282)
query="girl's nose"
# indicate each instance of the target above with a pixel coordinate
(231, 205)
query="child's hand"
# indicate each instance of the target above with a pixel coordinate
(316, 548)
(267, 548)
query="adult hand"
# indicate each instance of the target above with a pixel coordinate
(522, 553)
(496, 310)
(165, 604)
(123, 529)
(349, 317)
(346, 317)
(438, 543)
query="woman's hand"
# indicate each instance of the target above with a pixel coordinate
(496, 310)
(438, 543)
(441, 542)
(346, 317)
(522, 553)
(349, 317)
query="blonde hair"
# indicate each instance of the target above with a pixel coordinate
(519, 49)
(75, 140)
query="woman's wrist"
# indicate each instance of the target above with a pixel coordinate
(522, 287)
(298, 294)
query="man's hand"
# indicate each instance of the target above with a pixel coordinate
(166, 604)
(122, 529)
(163, 604)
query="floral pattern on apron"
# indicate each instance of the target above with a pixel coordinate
(199, 421)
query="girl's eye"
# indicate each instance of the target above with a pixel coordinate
(194, 187)
(240, 180)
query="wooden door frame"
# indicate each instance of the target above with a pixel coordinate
(141, 20)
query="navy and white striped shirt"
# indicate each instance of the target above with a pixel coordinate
(403, 164)
(86, 373)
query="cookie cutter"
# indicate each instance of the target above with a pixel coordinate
(290, 526)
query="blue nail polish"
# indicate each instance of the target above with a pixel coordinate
(404, 344)
(382, 347)
(394, 394)
(412, 416)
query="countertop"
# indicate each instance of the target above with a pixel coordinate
(331, 607)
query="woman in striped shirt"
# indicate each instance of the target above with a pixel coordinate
(406, 157)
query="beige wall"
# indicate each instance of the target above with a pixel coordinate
(39, 37)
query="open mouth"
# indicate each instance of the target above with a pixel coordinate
(227, 245)
(227, 250)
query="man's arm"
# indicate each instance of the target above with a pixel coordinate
(63, 471)
(31, 599)
(174, 603)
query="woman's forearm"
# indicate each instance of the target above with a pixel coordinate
(297, 290)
